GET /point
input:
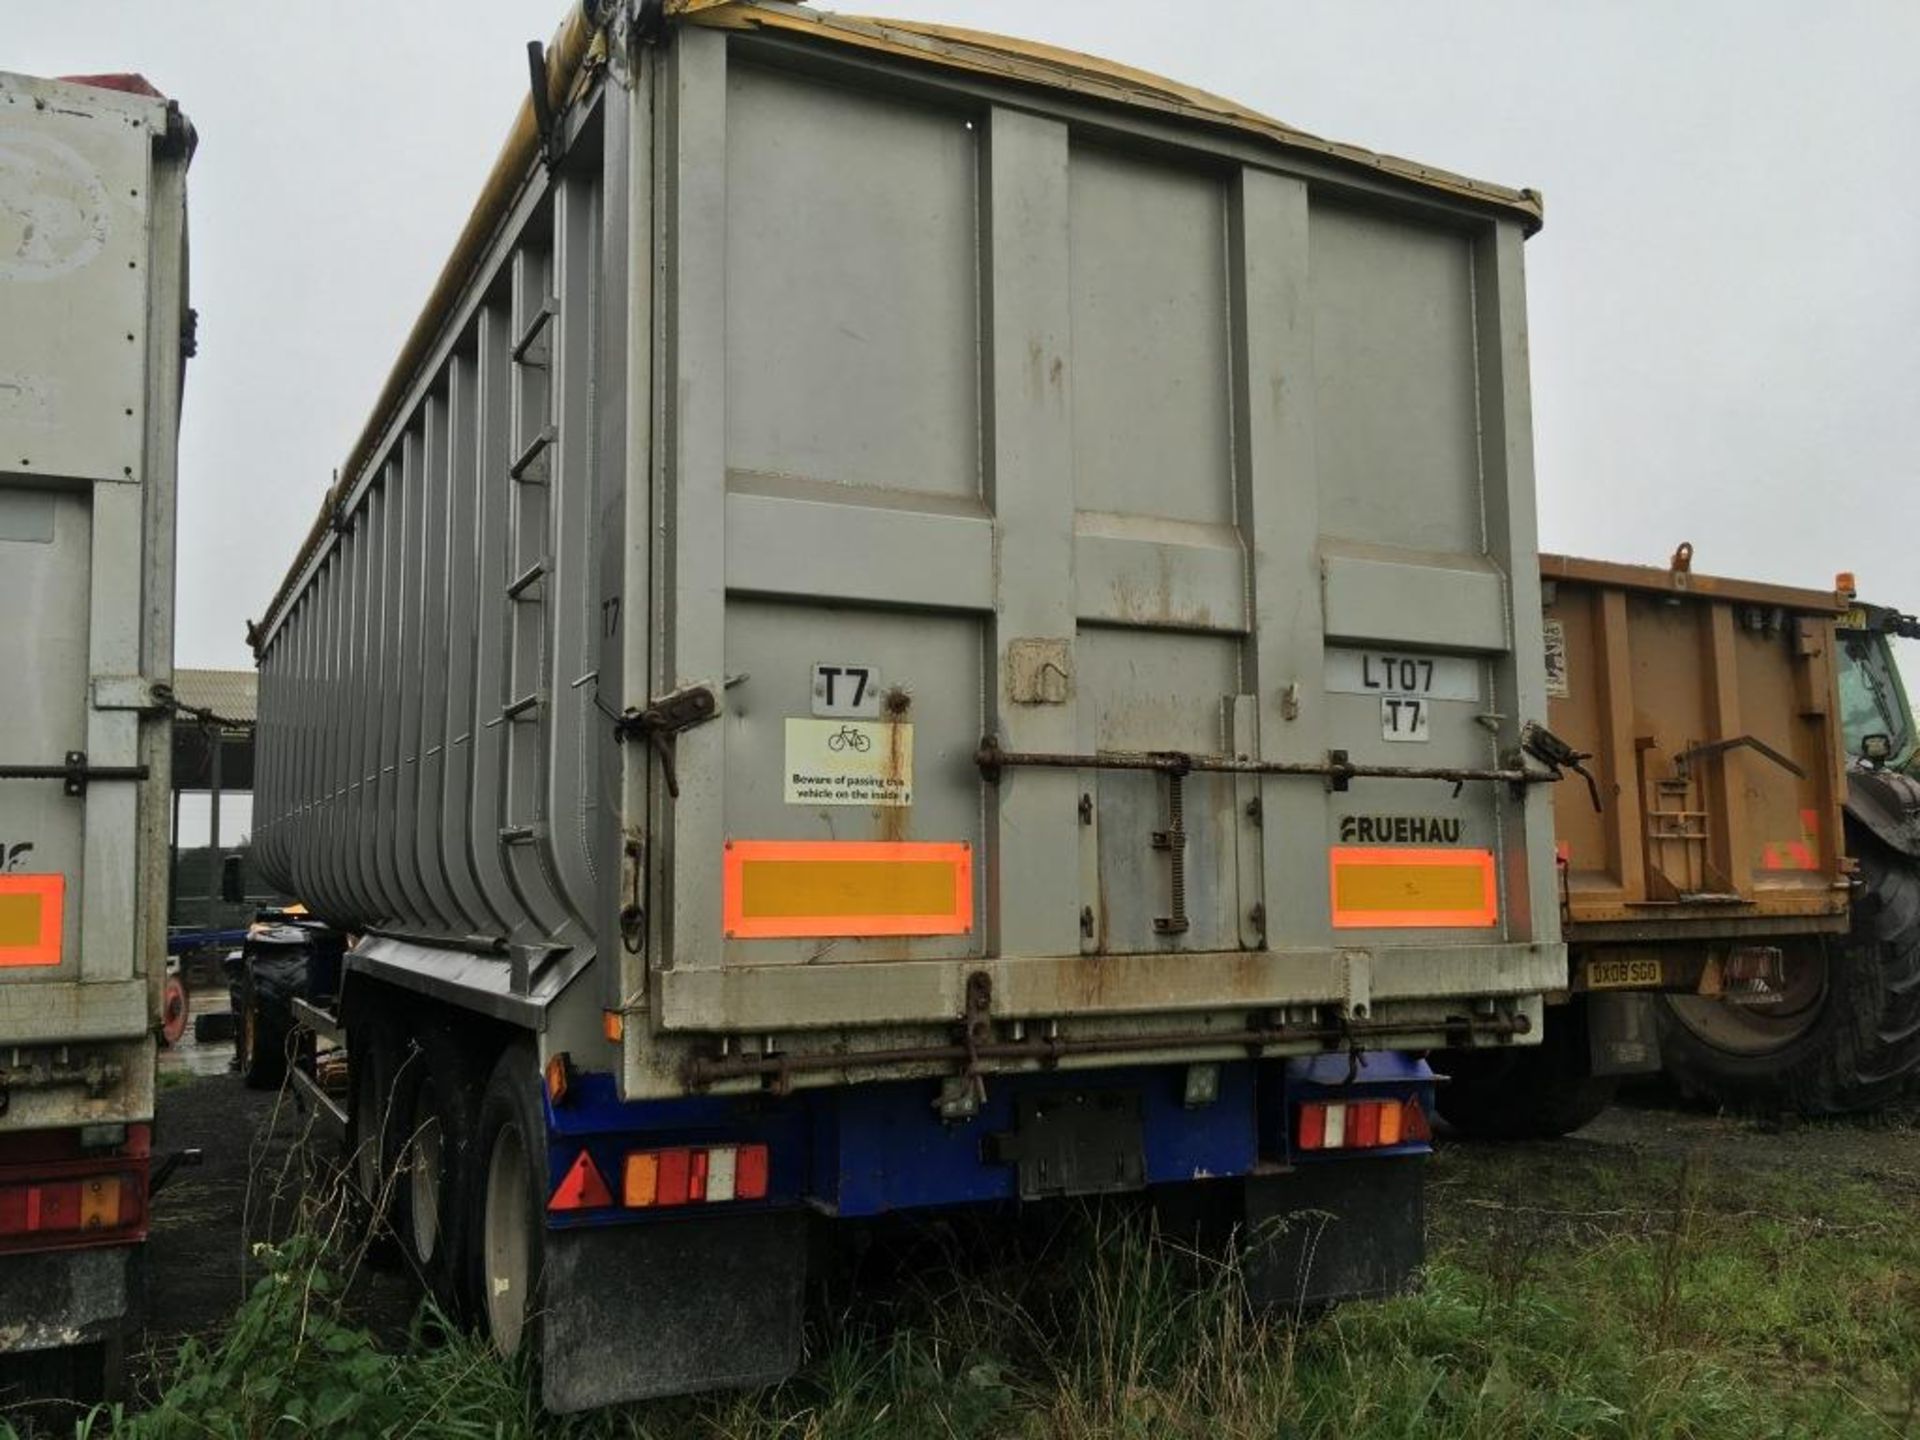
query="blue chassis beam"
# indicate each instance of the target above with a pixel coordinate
(877, 1149)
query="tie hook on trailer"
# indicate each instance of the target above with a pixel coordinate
(1557, 755)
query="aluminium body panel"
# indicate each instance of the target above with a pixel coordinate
(1054, 419)
(92, 323)
(1709, 707)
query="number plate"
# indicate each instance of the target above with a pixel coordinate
(1391, 672)
(844, 691)
(1623, 974)
(1085, 1142)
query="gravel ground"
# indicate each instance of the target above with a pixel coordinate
(245, 1190)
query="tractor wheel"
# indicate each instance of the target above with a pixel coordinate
(1846, 1035)
(1532, 1092)
(260, 1040)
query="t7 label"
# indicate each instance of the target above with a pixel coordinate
(846, 691)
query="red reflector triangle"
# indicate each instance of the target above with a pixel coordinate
(1413, 1125)
(583, 1189)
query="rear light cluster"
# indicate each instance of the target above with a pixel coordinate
(61, 1208)
(656, 1179)
(688, 1177)
(1360, 1124)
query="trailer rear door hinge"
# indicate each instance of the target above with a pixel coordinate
(132, 692)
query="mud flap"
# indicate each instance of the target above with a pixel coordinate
(1622, 1037)
(1343, 1230)
(638, 1311)
(70, 1297)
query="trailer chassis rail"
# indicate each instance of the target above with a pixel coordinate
(966, 1053)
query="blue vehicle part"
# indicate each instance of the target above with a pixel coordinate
(882, 1148)
(183, 942)
(875, 1149)
(1306, 1234)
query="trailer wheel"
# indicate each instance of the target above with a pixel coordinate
(55, 1382)
(510, 1201)
(1845, 1038)
(1533, 1092)
(260, 1042)
(437, 1148)
(376, 1050)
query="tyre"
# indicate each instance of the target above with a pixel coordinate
(173, 1011)
(1535, 1092)
(509, 1199)
(437, 1121)
(1845, 1036)
(376, 1049)
(260, 1039)
(53, 1389)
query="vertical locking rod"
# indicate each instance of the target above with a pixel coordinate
(1173, 840)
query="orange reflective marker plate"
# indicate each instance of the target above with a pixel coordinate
(32, 909)
(1382, 888)
(784, 889)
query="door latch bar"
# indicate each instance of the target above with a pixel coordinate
(1336, 769)
(74, 772)
(1173, 840)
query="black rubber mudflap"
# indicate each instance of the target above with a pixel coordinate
(694, 1303)
(69, 1297)
(1345, 1230)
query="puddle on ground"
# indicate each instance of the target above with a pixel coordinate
(200, 1057)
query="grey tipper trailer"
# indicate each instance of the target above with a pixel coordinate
(909, 592)
(93, 335)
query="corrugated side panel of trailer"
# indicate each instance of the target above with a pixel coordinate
(1709, 708)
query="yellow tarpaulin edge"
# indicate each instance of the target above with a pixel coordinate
(1029, 62)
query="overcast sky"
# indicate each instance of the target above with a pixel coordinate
(1725, 301)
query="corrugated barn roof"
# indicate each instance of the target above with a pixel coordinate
(229, 694)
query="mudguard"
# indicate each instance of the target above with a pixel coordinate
(1887, 803)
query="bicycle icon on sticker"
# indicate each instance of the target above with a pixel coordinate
(848, 737)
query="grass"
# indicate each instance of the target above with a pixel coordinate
(1571, 1291)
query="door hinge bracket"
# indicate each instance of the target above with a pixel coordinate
(132, 692)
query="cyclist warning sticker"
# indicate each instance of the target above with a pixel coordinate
(849, 762)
